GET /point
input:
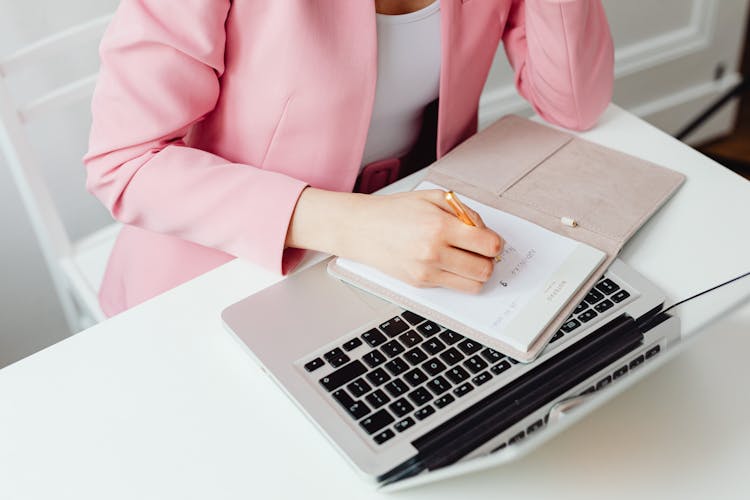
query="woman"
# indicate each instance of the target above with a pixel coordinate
(239, 128)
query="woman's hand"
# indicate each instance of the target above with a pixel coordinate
(413, 236)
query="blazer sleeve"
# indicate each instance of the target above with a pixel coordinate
(160, 66)
(563, 57)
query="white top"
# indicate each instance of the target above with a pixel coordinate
(408, 80)
(160, 402)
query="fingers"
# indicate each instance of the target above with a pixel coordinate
(466, 264)
(450, 280)
(476, 218)
(437, 197)
(482, 241)
(478, 239)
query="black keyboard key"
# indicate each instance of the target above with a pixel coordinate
(357, 409)
(637, 361)
(396, 366)
(475, 364)
(438, 385)
(457, 374)
(376, 421)
(463, 390)
(469, 347)
(604, 305)
(415, 356)
(410, 338)
(517, 437)
(394, 326)
(588, 390)
(451, 356)
(428, 328)
(336, 357)
(500, 367)
(333, 353)
(377, 398)
(374, 358)
(396, 388)
(343, 375)
(342, 397)
(481, 378)
(415, 377)
(587, 315)
(420, 396)
(433, 367)
(352, 344)
(607, 286)
(620, 296)
(450, 337)
(384, 436)
(378, 377)
(491, 355)
(314, 364)
(570, 325)
(433, 346)
(373, 337)
(620, 372)
(593, 297)
(653, 351)
(557, 336)
(404, 424)
(392, 348)
(500, 447)
(359, 388)
(580, 307)
(534, 427)
(339, 360)
(412, 318)
(444, 401)
(425, 412)
(401, 407)
(604, 382)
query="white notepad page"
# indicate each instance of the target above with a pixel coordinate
(539, 273)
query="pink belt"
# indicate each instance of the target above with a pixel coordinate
(378, 174)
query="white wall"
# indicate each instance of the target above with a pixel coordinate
(667, 54)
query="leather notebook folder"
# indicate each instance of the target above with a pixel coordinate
(548, 177)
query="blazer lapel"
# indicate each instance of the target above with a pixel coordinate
(470, 32)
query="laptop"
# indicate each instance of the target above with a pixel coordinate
(406, 400)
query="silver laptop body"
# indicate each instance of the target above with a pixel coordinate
(334, 349)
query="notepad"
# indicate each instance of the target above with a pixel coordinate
(539, 273)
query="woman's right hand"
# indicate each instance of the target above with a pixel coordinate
(412, 236)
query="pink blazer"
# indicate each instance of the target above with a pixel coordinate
(211, 116)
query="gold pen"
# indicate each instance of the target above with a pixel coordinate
(461, 213)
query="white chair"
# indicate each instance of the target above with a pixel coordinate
(77, 267)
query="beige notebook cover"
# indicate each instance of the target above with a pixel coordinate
(544, 175)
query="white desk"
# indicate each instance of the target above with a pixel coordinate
(160, 402)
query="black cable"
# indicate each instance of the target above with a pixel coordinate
(732, 93)
(706, 291)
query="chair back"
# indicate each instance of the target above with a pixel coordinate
(15, 142)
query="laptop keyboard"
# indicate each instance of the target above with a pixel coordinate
(391, 377)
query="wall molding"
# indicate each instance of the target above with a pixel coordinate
(690, 94)
(633, 58)
(657, 50)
